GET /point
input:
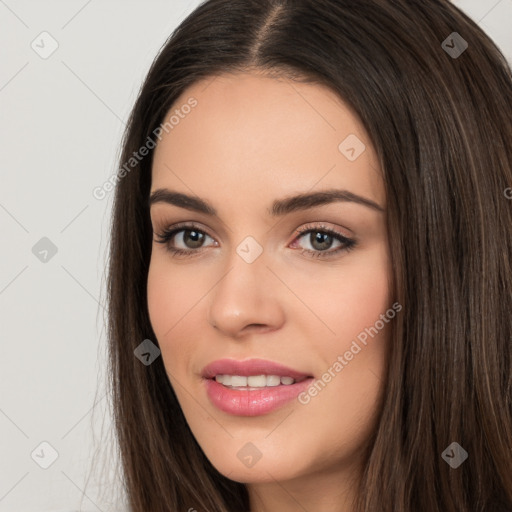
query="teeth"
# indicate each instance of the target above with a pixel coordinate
(253, 381)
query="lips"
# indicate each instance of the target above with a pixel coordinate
(250, 367)
(251, 401)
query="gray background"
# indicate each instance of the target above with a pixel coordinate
(60, 127)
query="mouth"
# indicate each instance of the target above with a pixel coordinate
(252, 387)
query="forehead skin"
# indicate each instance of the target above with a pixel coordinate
(250, 132)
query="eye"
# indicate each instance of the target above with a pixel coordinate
(321, 239)
(191, 237)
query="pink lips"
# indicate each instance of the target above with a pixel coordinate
(255, 402)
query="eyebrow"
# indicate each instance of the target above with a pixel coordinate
(280, 207)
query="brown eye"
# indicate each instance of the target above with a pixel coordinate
(183, 240)
(192, 238)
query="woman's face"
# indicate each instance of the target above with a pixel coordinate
(247, 285)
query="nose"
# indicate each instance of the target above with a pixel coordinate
(245, 300)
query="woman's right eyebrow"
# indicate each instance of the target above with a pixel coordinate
(280, 207)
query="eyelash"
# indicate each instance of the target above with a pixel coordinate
(348, 243)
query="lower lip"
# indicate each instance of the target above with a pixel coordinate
(254, 402)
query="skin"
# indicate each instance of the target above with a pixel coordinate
(250, 140)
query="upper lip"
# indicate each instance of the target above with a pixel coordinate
(250, 367)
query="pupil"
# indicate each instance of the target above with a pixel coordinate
(321, 238)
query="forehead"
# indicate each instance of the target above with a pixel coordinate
(249, 134)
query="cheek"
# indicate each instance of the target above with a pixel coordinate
(172, 291)
(348, 299)
(169, 304)
(355, 304)
(366, 298)
(161, 301)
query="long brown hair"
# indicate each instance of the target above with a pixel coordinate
(439, 114)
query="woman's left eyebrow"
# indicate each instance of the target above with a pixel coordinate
(280, 207)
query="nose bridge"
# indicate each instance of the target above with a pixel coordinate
(246, 277)
(244, 295)
(249, 250)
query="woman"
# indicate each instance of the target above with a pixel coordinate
(310, 272)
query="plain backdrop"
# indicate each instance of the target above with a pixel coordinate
(62, 116)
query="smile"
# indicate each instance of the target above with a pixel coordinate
(254, 381)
